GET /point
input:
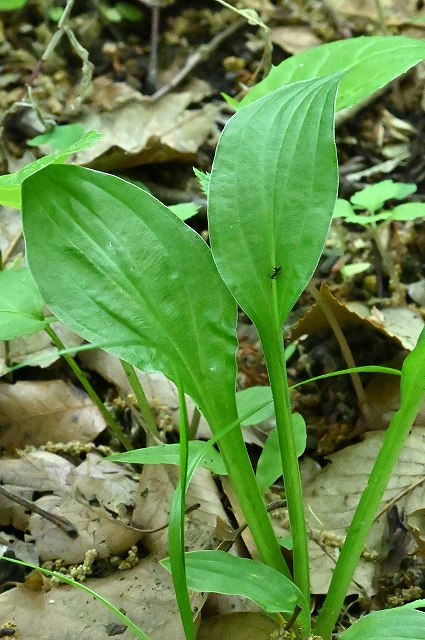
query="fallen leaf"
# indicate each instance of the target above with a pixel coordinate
(152, 507)
(145, 593)
(111, 485)
(41, 411)
(333, 494)
(96, 528)
(294, 39)
(237, 626)
(397, 10)
(400, 324)
(141, 132)
(161, 394)
(10, 225)
(36, 471)
(37, 349)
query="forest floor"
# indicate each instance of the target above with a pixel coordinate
(157, 103)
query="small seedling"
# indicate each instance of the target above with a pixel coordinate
(371, 209)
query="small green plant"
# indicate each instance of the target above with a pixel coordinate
(12, 5)
(122, 268)
(369, 208)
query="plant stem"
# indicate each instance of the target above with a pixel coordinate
(387, 262)
(112, 424)
(242, 477)
(176, 532)
(364, 516)
(272, 342)
(142, 402)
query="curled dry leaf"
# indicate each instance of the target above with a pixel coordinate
(36, 412)
(162, 131)
(400, 324)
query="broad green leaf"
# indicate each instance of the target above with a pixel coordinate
(371, 63)
(59, 138)
(373, 197)
(409, 211)
(122, 267)
(391, 624)
(269, 467)
(169, 454)
(10, 185)
(220, 572)
(272, 193)
(248, 399)
(21, 305)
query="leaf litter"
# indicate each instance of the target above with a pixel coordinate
(117, 496)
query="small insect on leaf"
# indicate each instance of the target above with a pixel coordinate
(276, 272)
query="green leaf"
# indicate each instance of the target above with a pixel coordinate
(169, 454)
(59, 138)
(220, 572)
(343, 209)
(371, 63)
(412, 385)
(127, 269)
(12, 5)
(270, 202)
(269, 467)
(129, 12)
(184, 210)
(373, 197)
(203, 179)
(348, 271)
(391, 624)
(248, 399)
(21, 305)
(409, 211)
(10, 185)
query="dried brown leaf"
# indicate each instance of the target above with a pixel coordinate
(145, 593)
(141, 132)
(36, 412)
